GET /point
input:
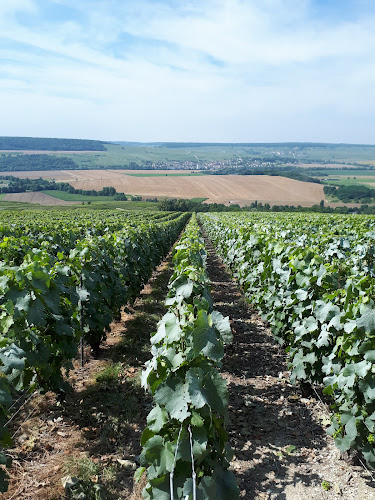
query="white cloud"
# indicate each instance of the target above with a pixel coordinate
(236, 70)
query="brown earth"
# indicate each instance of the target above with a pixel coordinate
(92, 175)
(36, 198)
(228, 189)
(220, 189)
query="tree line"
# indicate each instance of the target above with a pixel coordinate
(17, 185)
(182, 205)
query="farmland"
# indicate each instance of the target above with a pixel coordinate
(220, 189)
(97, 154)
(36, 198)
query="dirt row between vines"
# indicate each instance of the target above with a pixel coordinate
(281, 449)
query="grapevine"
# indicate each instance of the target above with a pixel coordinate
(185, 442)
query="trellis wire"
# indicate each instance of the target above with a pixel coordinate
(174, 464)
(193, 475)
(81, 321)
(20, 408)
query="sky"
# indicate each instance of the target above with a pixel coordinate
(189, 70)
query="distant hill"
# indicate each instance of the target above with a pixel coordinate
(68, 154)
(50, 144)
(295, 145)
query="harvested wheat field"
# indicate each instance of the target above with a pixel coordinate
(228, 189)
(241, 189)
(36, 198)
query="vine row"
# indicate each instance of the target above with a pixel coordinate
(313, 279)
(185, 447)
(69, 283)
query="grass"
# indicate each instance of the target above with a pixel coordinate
(110, 373)
(96, 205)
(81, 468)
(350, 172)
(344, 181)
(17, 205)
(65, 196)
(85, 477)
(198, 200)
(2, 195)
(126, 205)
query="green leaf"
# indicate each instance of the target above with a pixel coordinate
(13, 357)
(205, 339)
(367, 319)
(5, 396)
(325, 311)
(184, 291)
(301, 294)
(370, 356)
(196, 419)
(156, 419)
(368, 452)
(23, 303)
(207, 489)
(174, 396)
(343, 443)
(160, 454)
(174, 357)
(226, 486)
(351, 429)
(195, 378)
(221, 323)
(139, 473)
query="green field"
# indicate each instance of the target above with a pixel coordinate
(191, 155)
(95, 205)
(122, 155)
(198, 200)
(345, 181)
(347, 172)
(65, 196)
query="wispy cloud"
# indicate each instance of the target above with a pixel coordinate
(230, 70)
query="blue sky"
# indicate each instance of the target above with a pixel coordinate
(189, 70)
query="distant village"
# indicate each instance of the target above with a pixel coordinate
(213, 165)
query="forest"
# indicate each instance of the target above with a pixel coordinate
(10, 163)
(50, 144)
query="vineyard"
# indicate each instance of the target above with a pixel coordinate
(65, 276)
(312, 279)
(63, 279)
